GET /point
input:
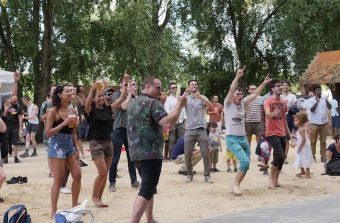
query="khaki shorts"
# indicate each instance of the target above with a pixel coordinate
(214, 156)
(101, 148)
(254, 128)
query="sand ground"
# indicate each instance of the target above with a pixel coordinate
(176, 201)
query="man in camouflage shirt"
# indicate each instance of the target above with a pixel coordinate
(146, 119)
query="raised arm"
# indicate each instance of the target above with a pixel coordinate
(233, 86)
(172, 117)
(117, 103)
(89, 99)
(259, 89)
(15, 85)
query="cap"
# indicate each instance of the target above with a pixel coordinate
(109, 89)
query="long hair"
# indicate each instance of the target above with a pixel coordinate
(56, 100)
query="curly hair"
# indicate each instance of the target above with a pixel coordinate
(302, 117)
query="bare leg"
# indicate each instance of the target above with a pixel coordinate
(276, 178)
(139, 208)
(228, 164)
(271, 178)
(236, 186)
(235, 164)
(34, 142)
(308, 173)
(2, 176)
(49, 161)
(28, 142)
(59, 170)
(81, 148)
(99, 181)
(108, 161)
(149, 211)
(72, 164)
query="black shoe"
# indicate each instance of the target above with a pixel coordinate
(14, 180)
(235, 170)
(216, 170)
(16, 160)
(34, 154)
(5, 160)
(24, 155)
(22, 180)
(212, 170)
(82, 164)
(182, 172)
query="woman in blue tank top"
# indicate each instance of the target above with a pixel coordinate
(60, 128)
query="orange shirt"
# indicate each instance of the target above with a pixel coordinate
(218, 108)
(275, 126)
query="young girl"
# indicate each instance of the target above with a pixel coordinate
(304, 157)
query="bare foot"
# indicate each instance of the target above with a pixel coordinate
(300, 174)
(237, 191)
(277, 184)
(271, 184)
(98, 203)
(308, 177)
(52, 216)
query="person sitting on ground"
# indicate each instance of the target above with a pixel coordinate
(2, 172)
(214, 146)
(333, 150)
(178, 156)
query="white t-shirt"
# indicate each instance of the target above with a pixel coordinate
(334, 111)
(320, 115)
(235, 118)
(170, 105)
(291, 99)
(30, 109)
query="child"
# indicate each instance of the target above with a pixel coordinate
(230, 156)
(214, 146)
(304, 157)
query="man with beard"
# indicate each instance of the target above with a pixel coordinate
(318, 117)
(277, 129)
(234, 107)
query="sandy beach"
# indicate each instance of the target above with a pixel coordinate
(176, 201)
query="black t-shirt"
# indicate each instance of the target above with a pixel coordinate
(332, 148)
(100, 121)
(12, 119)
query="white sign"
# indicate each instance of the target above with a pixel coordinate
(6, 76)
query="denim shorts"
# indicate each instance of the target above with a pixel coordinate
(60, 146)
(31, 128)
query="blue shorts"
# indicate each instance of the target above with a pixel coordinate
(60, 146)
(31, 128)
(335, 122)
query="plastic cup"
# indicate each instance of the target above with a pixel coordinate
(106, 81)
(99, 85)
(72, 123)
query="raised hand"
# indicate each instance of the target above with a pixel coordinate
(240, 72)
(17, 76)
(267, 79)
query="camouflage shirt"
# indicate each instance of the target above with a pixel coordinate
(145, 135)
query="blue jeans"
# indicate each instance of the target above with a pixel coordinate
(119, 137)
(240, 147)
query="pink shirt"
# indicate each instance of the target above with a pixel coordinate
(275, 126)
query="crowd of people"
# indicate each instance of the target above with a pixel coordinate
(110, 119)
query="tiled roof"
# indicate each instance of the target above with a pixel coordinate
(323, 69)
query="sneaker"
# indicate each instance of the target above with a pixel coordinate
(34, 154)
(65, 190)
(212, 170)
(216, 170)
(24, 155)
(235, 170)
(14, 180)
(135, 184)
(22, 180)
(82, 163)
(323, 159)
(229, 170)
(112, 187)
(16, 160)
(208, 179)
(189, 178)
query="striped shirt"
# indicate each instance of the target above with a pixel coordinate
(253, 112)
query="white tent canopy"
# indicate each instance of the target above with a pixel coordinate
(6, 77)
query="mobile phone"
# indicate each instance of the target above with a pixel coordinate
(182, 90)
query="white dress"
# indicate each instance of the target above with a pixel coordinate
(304, 158)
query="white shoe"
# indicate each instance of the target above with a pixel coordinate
(65, 190)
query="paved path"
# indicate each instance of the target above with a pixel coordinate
(326, 210)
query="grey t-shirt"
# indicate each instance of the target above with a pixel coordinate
(120, 116)
(195, 113)
(234, 118)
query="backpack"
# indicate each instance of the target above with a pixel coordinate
(333, 167)
(263, 148)
(20, 215)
